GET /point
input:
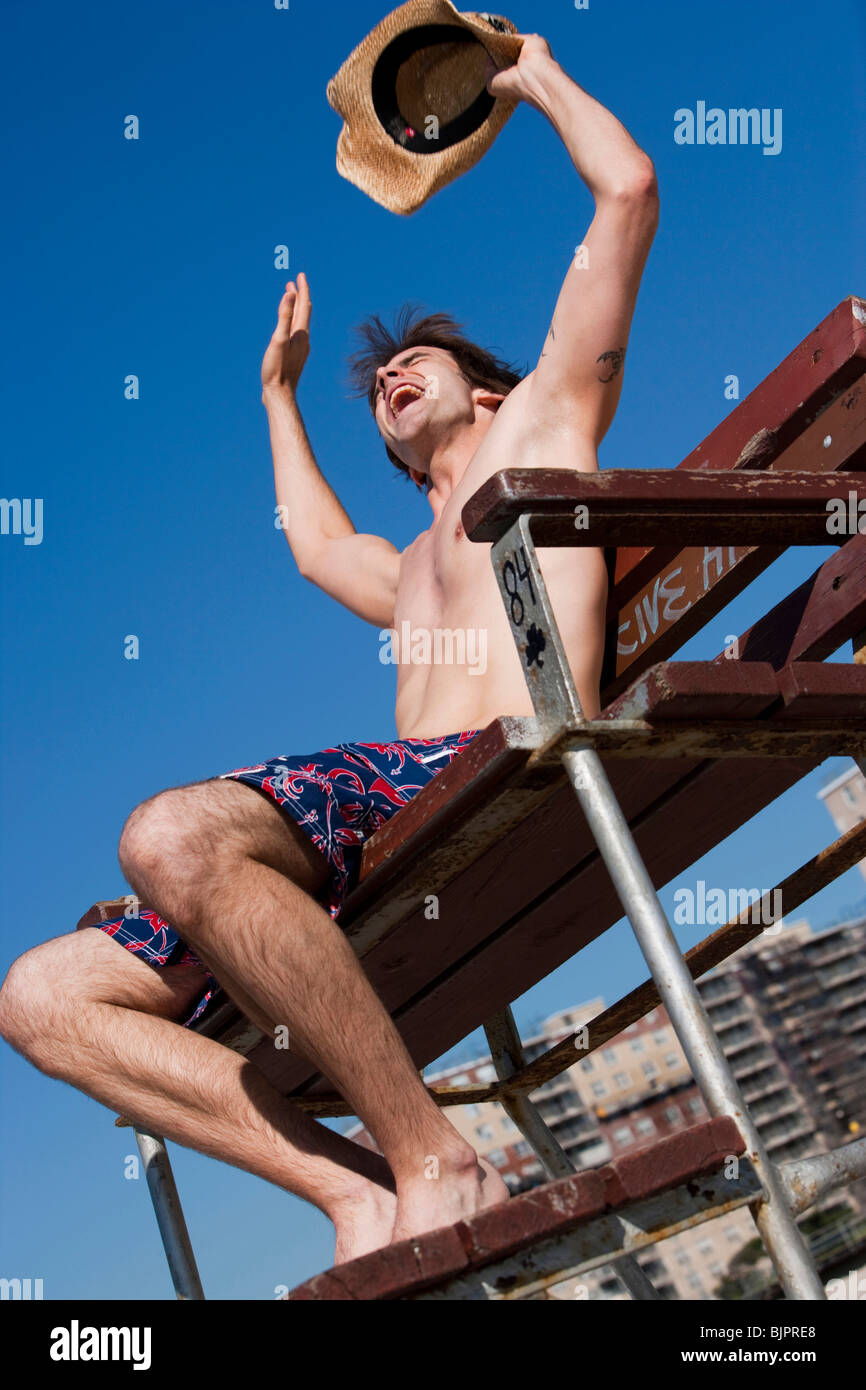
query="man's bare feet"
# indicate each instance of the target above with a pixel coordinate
(365, 1223)
(448, 1190)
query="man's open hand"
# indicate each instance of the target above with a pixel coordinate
(520, 81)
(290, 345)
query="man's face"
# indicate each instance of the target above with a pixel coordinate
(421, 397)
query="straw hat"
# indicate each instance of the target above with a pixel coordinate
(414, 100)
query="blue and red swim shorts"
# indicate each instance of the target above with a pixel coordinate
(339, 797)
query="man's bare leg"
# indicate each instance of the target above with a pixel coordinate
(223, 864)
(83, 1009)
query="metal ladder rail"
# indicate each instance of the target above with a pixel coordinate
(554, 697)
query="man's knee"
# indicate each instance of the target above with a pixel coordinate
(165, 833)
(39, 989)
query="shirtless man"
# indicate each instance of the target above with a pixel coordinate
(251, 893)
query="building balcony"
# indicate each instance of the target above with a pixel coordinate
(734, 1046)
(767, 1086)
(718, 992)
(760, 1061)
(837, 951)
(802, 1127)
(852, 970)
(842, 1002)
(788, 1106)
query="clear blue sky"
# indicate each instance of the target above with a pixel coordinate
(156, 258)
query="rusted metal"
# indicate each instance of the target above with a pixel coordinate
(506, 1052)
(602, 1240)
(722, 738)
(807, 1180)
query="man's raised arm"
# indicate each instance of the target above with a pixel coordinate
(578, 378)
(359, 571)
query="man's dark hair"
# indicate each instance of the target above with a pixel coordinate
(413, 328)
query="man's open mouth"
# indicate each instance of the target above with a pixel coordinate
(402, 396)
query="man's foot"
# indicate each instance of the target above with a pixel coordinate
(453, 1191)
(365, 1223)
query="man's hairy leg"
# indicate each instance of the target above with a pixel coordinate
(234, 876)
(83, 1009)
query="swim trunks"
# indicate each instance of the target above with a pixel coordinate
(339, 797)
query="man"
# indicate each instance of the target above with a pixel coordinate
(251, 868)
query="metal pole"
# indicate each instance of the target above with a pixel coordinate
(554, 696)
(169, 1216)
(807, 1180)
(506, 1050)
(680, 996)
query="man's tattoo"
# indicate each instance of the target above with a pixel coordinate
(550, 335)
(615, 357)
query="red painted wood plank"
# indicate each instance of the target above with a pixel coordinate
(698, 690)
(646, 506)
(435, 1258)
(819, 689)
(790, 398)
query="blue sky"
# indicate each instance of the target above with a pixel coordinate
(155, 257)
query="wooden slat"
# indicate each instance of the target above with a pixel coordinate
(813, 621)
(817, 689)
(766, 423)
(698, 690)
(669, 594)
(626, 506)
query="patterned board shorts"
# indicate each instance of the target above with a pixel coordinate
(339, 797)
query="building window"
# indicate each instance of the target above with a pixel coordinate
(484, 1131)
(684, 1259)
(497, 1158)
(646, 1126)
(462, 1080)
(587, 1064)
(508, 1124)
(696, 1105)
(637, 1045)
(473, 1109)
(694, 1281)
(521, 1148)
(621, 1080)
(623, 1136)
(660, 1036)
(732, 1234)
(609, 1054)
(599, 1088)
(672, 1060)
(650, 1069)
(673, 1116)
(486, 1073)
(705, 1247)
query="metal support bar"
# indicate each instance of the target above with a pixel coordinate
(169, 1216)
(807, 1180)
(506, 1051)
(554, 696)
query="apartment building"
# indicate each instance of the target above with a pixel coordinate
(845, 800)
(790, 1012)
